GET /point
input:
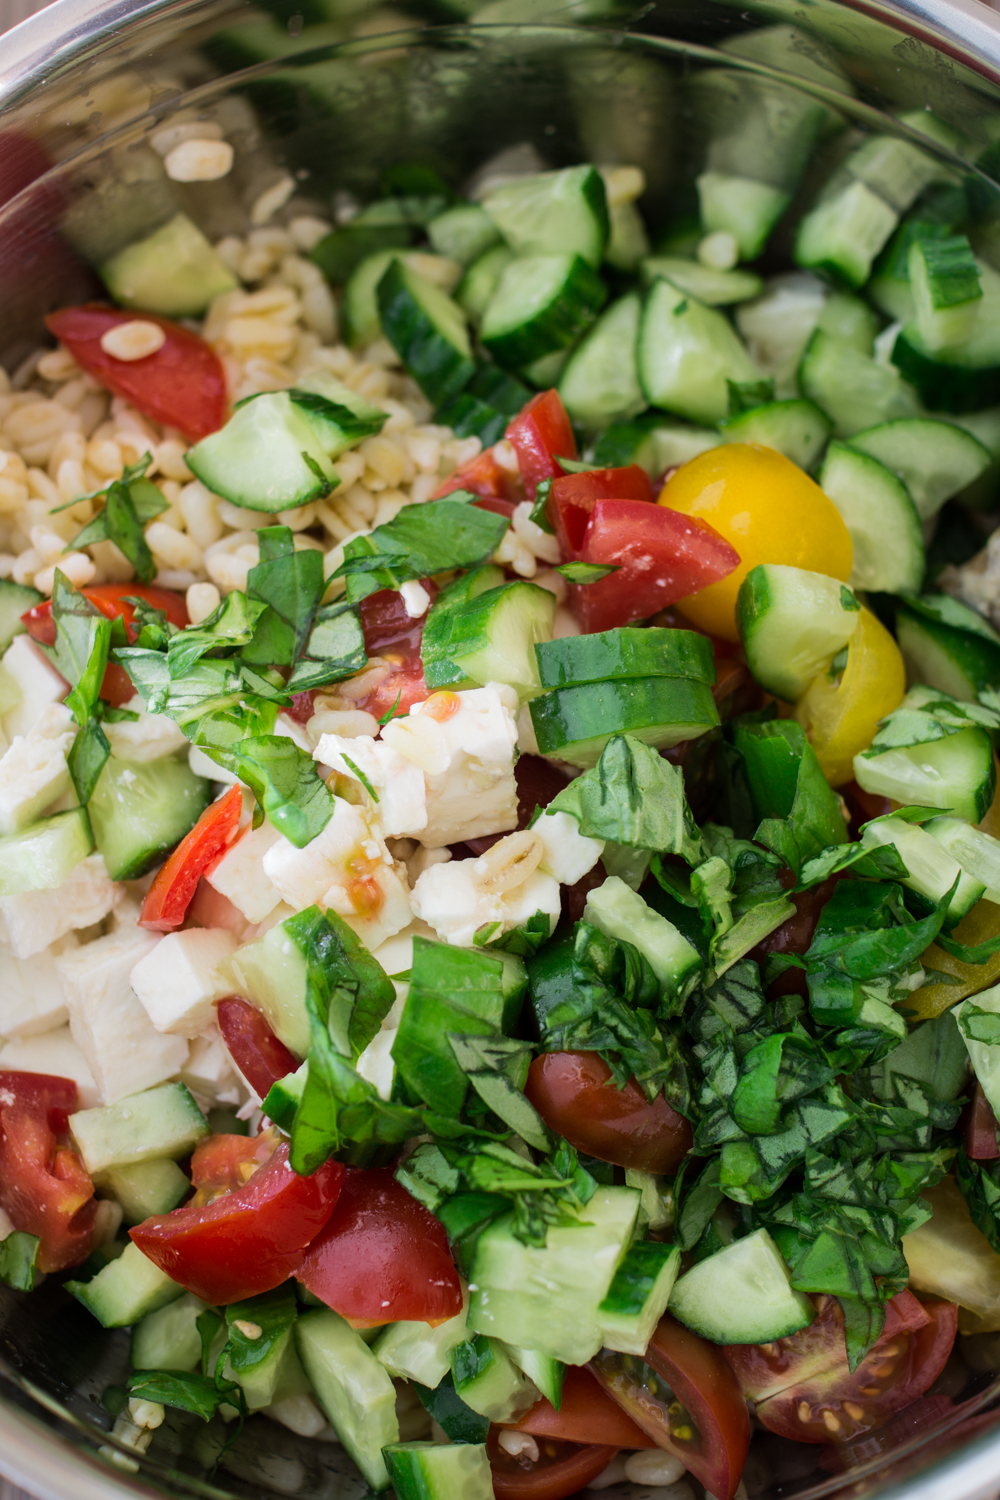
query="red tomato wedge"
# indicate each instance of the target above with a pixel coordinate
(182, 385)
(684, 1394)
(562, 1469)
(804, 1390)
(485, 477)
(660, 556)
(981, 1129)
(172, 891)
(382, 1257)
(587, 1415)
(540, 435)
(394, 637)
(254, 1048)
(43, 1185)
(573, 496)
(248, 1240)
(221, 1163)
(576, 1096)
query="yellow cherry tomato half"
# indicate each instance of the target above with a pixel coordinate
(769, 510)
(839, 715)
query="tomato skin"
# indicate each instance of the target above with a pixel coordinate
(110, 599)
(246, 1241)
(382, 1257)
(564, 1469)
(391, 634)
(575, 1095)
(573, 496)
(840, 718)
(698, 1377)
(43, 1185)
(795, 935)
(587, 1415)
(182, 385)
(222, 1163)
(256, 1051)
(661, 557)
(981, 1130)
(176, 881)
(540, 435)
(485, 477)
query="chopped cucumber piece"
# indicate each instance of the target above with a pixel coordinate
(260, 1361)
(741, 1295)
(575, 723)
(168, 1339)
(160, 1122)
(439, 1471)
(541, 305)
(687, 353)
(15, 600)
(623, 653)
(140, 810)
(882, 519)
(268, 457)
(984, 1056)
(148, 1188)
(126, 1290)
(956, 774)
(463, 233)
(553, 213)
(427, 330)
(947, 645)
(600, 382)
(638, 1296)
(714, 288)
(977, 852)
(439, 670)
(345, 420)
(932, 870)
(620, 912)
(933, 459)
(493, 636)
(353, 1389)
(271, 973)
(798, 429)
(360, 302)
(416, 1351)
(42, 856)
(964, 377)
(489, 1382)
(944, 282)
(843, 234)
(175, 272)
(478, 285)
(653, 443)
(741, 206)
(547, 1373)
(792, 623)
(852, 388)
(284, 1097)
(628, 241)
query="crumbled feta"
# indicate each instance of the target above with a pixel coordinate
(33, 772)
(31, 992)
(416, 599)
(421, 859)
(202, 765)
(568, 853)
(150, 737)
(293, 730)
(397, 783)
(450, 899)
(239, 873)
(178, 981)
(375, 1063)
(346, 867)
(34, 920)
(210, 1072)
(39, 682)
(123, 1049)
(396, 953)
(57, 1054)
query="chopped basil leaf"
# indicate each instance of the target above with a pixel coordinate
(421, 541)
(19, 1260)
(286, 782)
(226, 629)
(87, 758)
(289, 584)
(83, 638)
(584, 572)
(539, 511)
(635, 797)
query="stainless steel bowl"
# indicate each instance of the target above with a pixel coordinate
(355, 92)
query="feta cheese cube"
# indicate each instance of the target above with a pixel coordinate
(34, 920)
(57, 1054)
(178, 981)
(346, 867)
(202, 765)
(31, 992)
(239, 873)
(124, 1051)
(568, 854)
(33, 772)
(396, 954)
(451, 900)
(398, 783)
(376, 1063)
(39, 682)
(150, 737)
(210, 1073)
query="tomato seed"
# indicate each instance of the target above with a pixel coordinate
(830, 1422)
(854, 1411)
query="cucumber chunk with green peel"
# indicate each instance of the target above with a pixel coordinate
(463, 233)
(15, 600)
(933, 459)
(284, 1097)
(268, 457)
(843, 234)
(42, 856)
(600, 382)
(493, 636)
(638, 1296)
(352, 1387)
(575, 723)
(624, 653)
(148, 1188)
(553, 213)
(714, 288)
(416, 1351)
(541, 305)
(852, 388)
(140, 809)
(687, 353)
(741, 206)
(126, 1290)
(439, 1471)
(882, 519)
(160, 1122)
(168, 1338)
(741, 1295)
(653, 443)
(619, 912)
(427, 330)
(345, 419)
(439, 669)
(174, 271)
(792, 624)
(956, 774)
(947, 645)
(546, 1373)
(932, 870)
(478, 285)
(798, 429)
(964, 377)
(944, 284)
(489, 1382)
(261, 1346)
(984, 1056)
(977, 852)
(271, 973)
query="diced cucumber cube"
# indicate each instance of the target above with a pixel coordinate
(741, 1295)
(439, 1471)
(352, 1387)
(160, 1122)
(148, 1188)
(126, 1290)
(620, 912)
(43, 855)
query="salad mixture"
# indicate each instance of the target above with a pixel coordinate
(499, 867)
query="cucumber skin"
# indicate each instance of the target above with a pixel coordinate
(557, 326)
(565, 718)
(15, 599)
(943, 386)
(627, 651)
(975, 661)
(439, 368)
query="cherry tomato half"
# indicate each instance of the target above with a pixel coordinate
(561, 1469)
(392, 635)
(587, 1414)
(253, 1046)
(540, 435)
(171, 893)
(981, 1130)
(573, 496)
(43, 1185)
(485, 477)
(576, 1096)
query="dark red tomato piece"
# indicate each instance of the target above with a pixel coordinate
(576, 1096)
(540, 435)
(172, 891)
(393, 636)
(496, 506)
(804, 1390)
(561, 1469)
(253, 1046)
(22, 160)
(684, 1394)
(484, 477)
(795, 935)
(182, 385)
(382, 1257)
(44, 1188)
(248, 1240)
(587, 1415)
(660, 556)
(863, 806)
(301, 708)
(981, 1129)
(573, 496)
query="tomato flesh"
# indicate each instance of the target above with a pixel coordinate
(393, 636)
(573, 496)
(575, 1094)
(172, 891)
(248, 1240)
(382, 1257)
(562, 1469)
(981, 1131)
(540, 435)
(485, 477)
(44, 1188)
(587, 1414)
(253, 1046)
(182, 385)
(684, 1394)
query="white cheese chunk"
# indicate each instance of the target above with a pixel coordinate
(178, 981)
(33, 771)
(124, 1051)
(396, 954)
(568, 853)
(346, 867)
(210, 1072)
(57, 1054)
(450, 899)
(398, 783)
(239, 873)
(34, 920)
(39, 682)
(150, 737)
(31, 992)
(375, 1063)
(203, 765)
